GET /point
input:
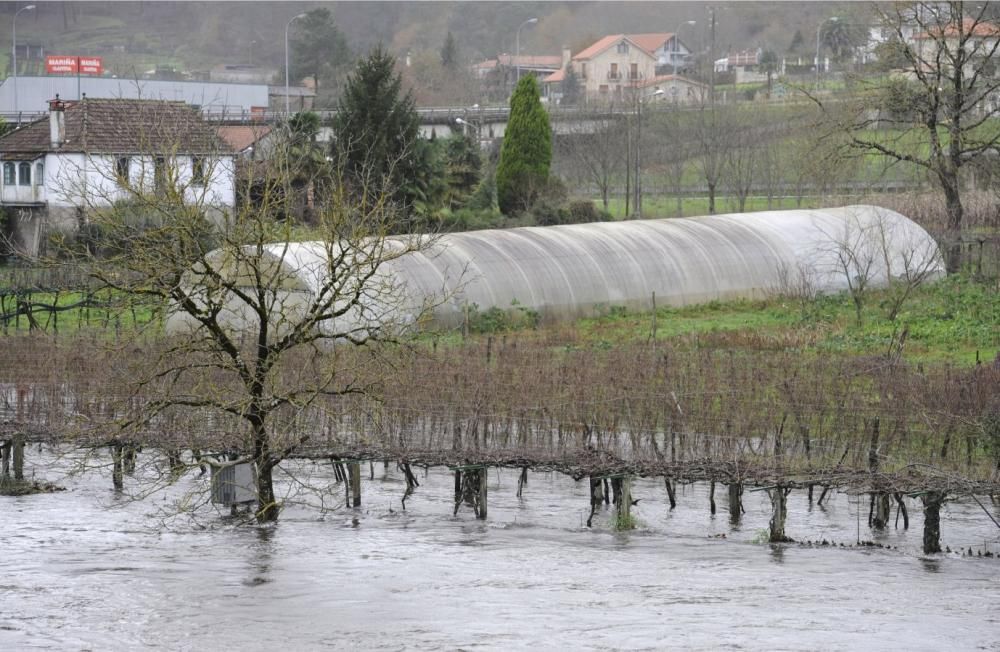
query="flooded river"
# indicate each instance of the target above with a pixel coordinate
(84, 570)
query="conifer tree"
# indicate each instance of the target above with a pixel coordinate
(318, 47)
(526, 152)
(449, 52)
(376, 133)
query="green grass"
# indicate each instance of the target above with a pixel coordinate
(954, 320)
(106, 312)
(661, 206)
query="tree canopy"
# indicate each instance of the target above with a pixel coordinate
(526, 152)
(318, 49)
(376, 133)
(939, 112)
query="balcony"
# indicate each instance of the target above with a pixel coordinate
(614, 75)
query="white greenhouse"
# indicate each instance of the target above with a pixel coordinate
(564, 272)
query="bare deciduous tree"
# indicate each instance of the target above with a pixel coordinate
(257, 318)
(938, 111)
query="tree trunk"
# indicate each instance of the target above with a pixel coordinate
(932, 521)
(671, 495)
(735, 502)
(18, 445)
(953, 206)
(779, 513)
(711, 199)
(267, 506)
(117, 470)
(882, 510)
(596, 498)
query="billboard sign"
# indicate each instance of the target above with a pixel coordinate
(74, 65)
(90, 65)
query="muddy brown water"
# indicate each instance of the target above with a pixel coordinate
(88, 570)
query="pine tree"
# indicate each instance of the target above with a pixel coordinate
(318, 47)
(449, 52)
(376, 133)
(526, 152)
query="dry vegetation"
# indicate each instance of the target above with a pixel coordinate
(753, 417)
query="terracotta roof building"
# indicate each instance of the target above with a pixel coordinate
(100, 126)
(90, 154)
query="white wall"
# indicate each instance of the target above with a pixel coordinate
(82, 180)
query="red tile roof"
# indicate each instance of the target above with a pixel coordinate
(598, 47)
(240, 137)
(555, 77)
(646, 42)
(121, 126)
(969, 26)
(650, 42)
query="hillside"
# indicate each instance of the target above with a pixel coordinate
(138, 36)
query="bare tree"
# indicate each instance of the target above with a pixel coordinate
(593, 151)
(880, 252)
(257, 318)
(936, 112)
(713, 141)
(741, 157)
(673, 149)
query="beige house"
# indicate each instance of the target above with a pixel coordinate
(674, 89)
(618, 62)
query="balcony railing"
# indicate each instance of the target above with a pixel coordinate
(614, 74)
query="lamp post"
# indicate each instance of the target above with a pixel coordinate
(250, 53)
(677, 42)
(13, 39)
(638, 139)
(287, 26)
(517, 46)
(819, 27)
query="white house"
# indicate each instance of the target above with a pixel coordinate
(92, 153)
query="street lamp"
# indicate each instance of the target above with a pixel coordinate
(250, 53)
(14, 41)
(638, 139)
(517, 45)
(819, 27)
(677, 42)
(293, 19)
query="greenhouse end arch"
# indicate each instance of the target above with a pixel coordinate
(572, 271)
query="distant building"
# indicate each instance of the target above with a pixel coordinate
(676, 89)
(498, 76)
(618, 62)
(214, 98)
(242, 73)
(92, 153)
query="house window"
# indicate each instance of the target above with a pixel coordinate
(623, 48)
(613, 74)
(197, 170)
(633, 72)
(122, 166)
(583, 71)
(39, 173)
(603, 89)
(24, 174)
(8, 174)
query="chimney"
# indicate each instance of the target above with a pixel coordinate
(567, 56)
(57, 122)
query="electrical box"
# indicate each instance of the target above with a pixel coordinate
(234, 484)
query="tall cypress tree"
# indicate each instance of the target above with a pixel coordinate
(526, 152)
(376, 131)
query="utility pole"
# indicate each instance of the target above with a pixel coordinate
(711, 57)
